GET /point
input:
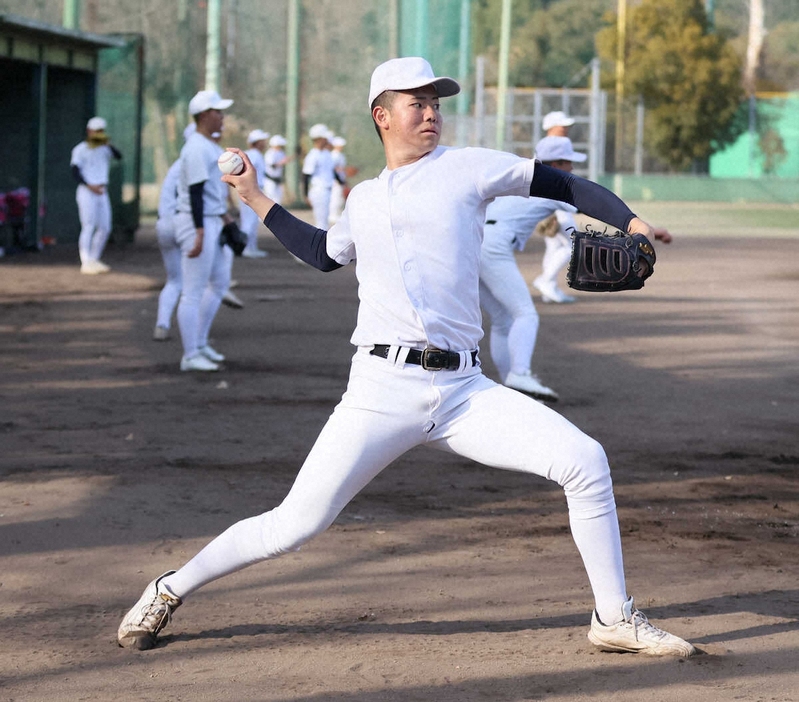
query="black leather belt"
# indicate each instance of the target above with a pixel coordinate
(429, 358)
(491, 221)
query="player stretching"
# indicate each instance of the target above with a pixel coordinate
(415, 232)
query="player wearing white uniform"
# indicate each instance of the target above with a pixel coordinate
(318, 175)
(90, 163)
(414, 233)
(248, 220)
(170, 252)
(339, 182)
(503, 290)
(201, 213)
(558, 152)
(275, 160)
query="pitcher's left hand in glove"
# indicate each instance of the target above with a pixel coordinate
(608, 262)
(233, 237)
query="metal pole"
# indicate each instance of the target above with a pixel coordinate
(393, 28)
(479, 101)
(593, 124)
(71, 14)
(621, 41)
(422, 27)
(502, 86)
(293, 96)
(639, 136)
(464, 60)
(214, 20)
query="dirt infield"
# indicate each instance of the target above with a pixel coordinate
(443, 580)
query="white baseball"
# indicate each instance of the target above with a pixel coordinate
(230, 163)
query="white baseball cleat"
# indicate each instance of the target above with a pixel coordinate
(530, 385)
(636, 635)
(94, 267)
(232, 300)
(197, 362)
(160, 333)
(211, 354)
(551, 292)
(140, 626)
(254, 253)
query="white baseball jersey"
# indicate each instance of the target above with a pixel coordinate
(257, 160)
(94, 163)
(419, 278)
(273, 163)
(521, 214)
(198, 163)
(168, 198)
(318, 164)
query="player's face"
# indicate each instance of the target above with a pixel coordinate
(213, 119)
(415, 120)
(563, 165)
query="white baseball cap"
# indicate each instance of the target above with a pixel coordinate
(556, 119)
(339, 141)
(257, 135)
(277, 140)
(406, 74)
(208, 100)
(319, 131)
(557, 148)
(96, 124)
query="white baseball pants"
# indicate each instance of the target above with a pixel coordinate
(274, 191)
(94, 212)
(206, 279)
(170, 252)
(249, 222)
(556, 257)
(319, 197)
(336, 202)
(505, 297)
(389, 408)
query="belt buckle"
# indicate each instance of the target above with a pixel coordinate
(426, 360)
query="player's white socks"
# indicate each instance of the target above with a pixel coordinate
(599, 543)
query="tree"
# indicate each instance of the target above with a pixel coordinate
(688, 77)
(555, 43)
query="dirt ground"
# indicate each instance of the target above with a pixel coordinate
(443, 580)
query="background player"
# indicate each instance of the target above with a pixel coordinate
(415, 233)
(557, 124)
(249, 222)
(90, 163)
(318, 174)
(202, 211)
(275, 160)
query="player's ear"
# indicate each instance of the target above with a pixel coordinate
(380, 115)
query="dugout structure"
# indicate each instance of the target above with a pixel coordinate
(52, 81)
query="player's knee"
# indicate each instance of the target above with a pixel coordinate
(588, 472)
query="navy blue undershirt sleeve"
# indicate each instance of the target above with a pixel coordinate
(585, 195)
(196, 201)
(77, 175)
(304, 240)
(115, 152)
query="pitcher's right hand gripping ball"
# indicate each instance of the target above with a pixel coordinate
(608, 262)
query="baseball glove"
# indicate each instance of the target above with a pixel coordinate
(233, 237)
(607, 262)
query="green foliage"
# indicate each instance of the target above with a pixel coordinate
(689, 78)
(555, 43)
